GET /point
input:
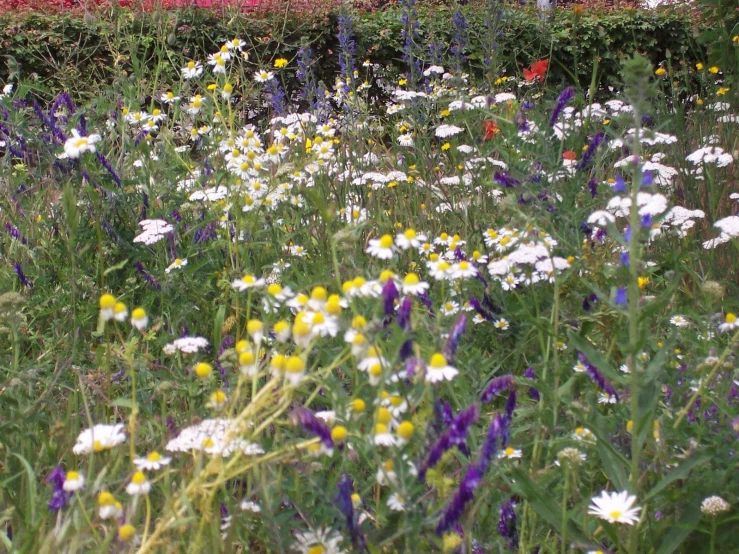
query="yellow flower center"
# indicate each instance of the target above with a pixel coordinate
(615, 514)
(411, 279)
(107, 301)
(97, 446)
(509, 451)
(437, 361)
(106, 499)
(386, 241)
(730, 318)
(410, 234)
(358, 405)
(338, 433)
(274, 289)
(294, 365)
(154, 457)
(72, 476)
(138, 478)
(405, 430)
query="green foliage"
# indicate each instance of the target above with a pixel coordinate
(75, 54)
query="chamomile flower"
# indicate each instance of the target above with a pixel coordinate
(99, 438)
(409, 239)
(679, 321)
(413, 285)
(248, 364)
(152, 462)
(281, 331)
(262, 76)
(510, 453)
(383, 437)
(217, 400)
(76, 145)
(107, 307)
(192, 70)
(441, 270)
(463, 270)
(386, 474)
(294, 370)
(404, 433)
(381, 248)
(322, 541)
(139, 319)
(502, 324)
(108, 507)
(439, 370)
(449, 308)
(74, 481)
(120, 312)
(255, 328)
(615, 507)
(730, 323)
(139, 485)
(396, 502)
(176, 264)
(583, 434)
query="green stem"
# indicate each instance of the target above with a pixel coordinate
(566, 493)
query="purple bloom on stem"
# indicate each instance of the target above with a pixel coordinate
(475, 303)
(147, 276)
(597, 377)
(533, 392)
(620, 186)
(593, 187)
(490, 446)
(504, 178)
(510, 406)
(564, 98)
(390, 294)
(496, 386)
(624, 259)
(620, 298)
(647, 179)
(59, 497)
(309, 422)
(587, 157)
(454, 509)
(404, 313)
(453, 436)
(455, 335)
(22, 276)
(507, 524)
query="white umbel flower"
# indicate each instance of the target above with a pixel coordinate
(714, 505)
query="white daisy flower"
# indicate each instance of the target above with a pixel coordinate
(381, 248)
(153, 462)
(413, 285)
(409, 239)
(98, 438)
(730, 323)
(396, 502)
(74, 481)
(679, 321)
(439, 370)
(76, 145)
(510, 453)
(138, 485)
(615, 507)
(176, 264)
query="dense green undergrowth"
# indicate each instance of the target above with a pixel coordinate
(76, 54)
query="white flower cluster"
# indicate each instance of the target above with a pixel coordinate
(213, 436)
(186, 345)
(154, 230)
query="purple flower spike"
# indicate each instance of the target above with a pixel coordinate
(620, 298)
(496, 386)
(597, 377)
(490, 447)
(504, 178)
(22, 276)
(564, 98)
(454, 436)
(404, 313)
(507, 524)
(587, 157)
(59, 497)
(309, 422)
(475, 303)
(466, 492)
(533, 392)
(455, 335)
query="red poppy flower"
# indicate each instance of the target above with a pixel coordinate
(536, 71)
(489, 127)
(569, 155)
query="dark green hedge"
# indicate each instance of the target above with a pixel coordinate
(77, 54)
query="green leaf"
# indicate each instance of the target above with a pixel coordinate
(544, 505)
(31, 487)
(116, 267)
(595, 358)
(615, 464)
(680, 472)
(123, 403)
(218, 326)
(679, 532)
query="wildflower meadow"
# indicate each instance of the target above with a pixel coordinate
(321, 300)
